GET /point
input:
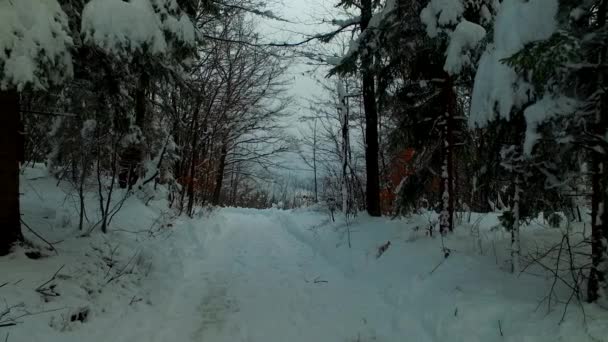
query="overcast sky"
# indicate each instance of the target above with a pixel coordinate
(304, 18)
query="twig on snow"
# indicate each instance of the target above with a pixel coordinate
(135, 300)
(50, 290)
(123, 270)
(436, 267)
(317, 280)
(39, 236)
(13, 321)
(383, 249)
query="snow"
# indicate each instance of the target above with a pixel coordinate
(34, 44)
(485, 14)
(88, 128)
(250, 275)
(368, 35)
(539, 112)
(498, 89)
(441, 13)
(466, 36)
(347, 21)
(122, 28)
(577, 13)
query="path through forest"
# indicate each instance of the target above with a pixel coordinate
(275, 275)
(262, 281)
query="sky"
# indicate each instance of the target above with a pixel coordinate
(304, 19)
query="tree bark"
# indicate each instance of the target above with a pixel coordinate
(219, 176)
(314, 160)
(371, 121)
(515, 240)
(447, 214)
(343, 109)
(10, 217)
(597, 283)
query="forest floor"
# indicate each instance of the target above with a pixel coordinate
(273, 276)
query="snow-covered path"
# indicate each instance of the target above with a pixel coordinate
(246, 275)
(263, 283)
(269, 276)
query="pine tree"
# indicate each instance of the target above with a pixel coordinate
(364, 51)
(153, 38)
(457, 26)
(34, 54)
(568, 70)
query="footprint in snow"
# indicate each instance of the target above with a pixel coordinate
(215, 306)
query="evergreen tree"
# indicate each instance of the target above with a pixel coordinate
(34, 54)
(567, 72)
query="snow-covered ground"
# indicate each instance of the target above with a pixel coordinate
(271, 275)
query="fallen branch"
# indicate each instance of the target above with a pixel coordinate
(383, 249)
(135, 300)
(50, 291)
(14, 320)
(436, 267)
(39, 236)
(317, 280)
(123, 270)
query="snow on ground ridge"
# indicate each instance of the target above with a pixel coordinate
(237, 274)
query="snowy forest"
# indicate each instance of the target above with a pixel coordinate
(324, 170)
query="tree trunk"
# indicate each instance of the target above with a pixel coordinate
(133, 155)
(597, 277)
(343, 109)
(314, 160)
(219, 176)
(597, 283)
(447, 214)
(515, 241)
(371, 121)
(10, 217)
(140, 100)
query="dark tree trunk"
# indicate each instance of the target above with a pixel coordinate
(314, 160)
(140, 100)
(447, 214)
(10, 141)
(193, 162)
(371, 121)
(219, 176)
(599, 182)
(129, 174)
(598, 222)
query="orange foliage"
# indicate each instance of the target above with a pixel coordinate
(399, 168)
